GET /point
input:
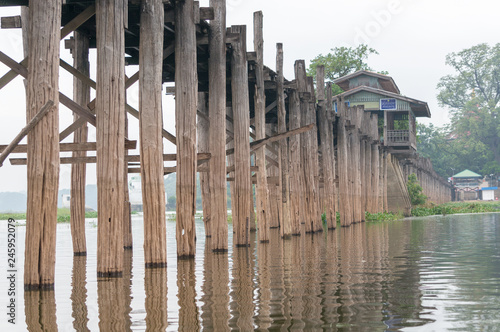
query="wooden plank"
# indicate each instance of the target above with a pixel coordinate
(261, 193)
(71, 147)
(43, 150)
(33, 122)
(186, 85)
(11, 22)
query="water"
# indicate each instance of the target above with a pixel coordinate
(428, 274)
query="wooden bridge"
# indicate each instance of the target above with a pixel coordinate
(309, 158)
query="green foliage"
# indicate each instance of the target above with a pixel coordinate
(63, 215)
(473, 96)
(323, 219)
(382, 216)
(455, 207)
(342, 61)
(415, 191)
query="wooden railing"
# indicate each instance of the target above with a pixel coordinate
(398, 137)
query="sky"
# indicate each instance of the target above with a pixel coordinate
(412, 38)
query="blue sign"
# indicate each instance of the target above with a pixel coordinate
(388, 104)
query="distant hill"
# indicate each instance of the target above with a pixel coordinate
(17, 201)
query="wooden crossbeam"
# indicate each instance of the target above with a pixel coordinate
(231, 168)
(70, 147)
(270, 180)
(93, 159)
(66, 30)
(33, 122)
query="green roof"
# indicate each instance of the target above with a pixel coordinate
(467, 174)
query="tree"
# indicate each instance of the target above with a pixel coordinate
(472, 96)
(342, 61)
(415, 191)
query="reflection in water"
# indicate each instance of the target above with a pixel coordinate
(79, 294)
(114, 299)
(155, 284)
(40, 310)
(438, 274)
(186, 294)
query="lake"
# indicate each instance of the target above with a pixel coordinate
(423, 274)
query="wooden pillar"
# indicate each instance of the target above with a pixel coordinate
(110, 109)
(286, 227)
(43, 145)
(384, 190)
(241, 118)
(127, 207)
(326, 150)
(345, 204)
(333, 160)
(81, 95)
(375, 178)
(313, 152)
(295, 173)
(151, 125)
(186, 103)
(368, 176)
(217, 115)
(203, 136)
(262, 194)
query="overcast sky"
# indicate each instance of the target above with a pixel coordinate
(412, 38)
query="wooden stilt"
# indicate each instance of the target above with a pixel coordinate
(326, 150)
(240, 105)
(43, 145)
(217, 114)
(295, 174)
(81, 95)
(203, 136)
(344, 165)
(186, 86)
(262, 193)
(110, 109)
(286, 227)
(151, 125)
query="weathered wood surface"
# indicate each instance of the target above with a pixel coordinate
(217, 116)
(203, 136)
(344, 166)
(110, 131)
(241, 110)
(43, 145)
(286, 227)
(186, 86)
(295, 173)
(262, 192)
(328, 160)
(150, 130)
(81, 95)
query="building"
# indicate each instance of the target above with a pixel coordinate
(397, 114)
(467, 185)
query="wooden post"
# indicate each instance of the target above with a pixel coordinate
(203, 135)
(217, 115)
(110, 111)
(295, 173)
(127, 208)
(151, 125)
(43, 145)
(286, 227)
(81, 95)
(375, 178)
(331, 120)
(186, 104)
(345, 204)
(262, 193)
(241, 117)
(326, 149)
(314, 158)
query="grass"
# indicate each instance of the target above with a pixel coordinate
(431, 209)
(383, 216)
(63, 215)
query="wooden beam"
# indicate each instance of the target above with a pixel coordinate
(33, 122)
(275, 138)
(71, 147)
(11, 22)
(67, 29)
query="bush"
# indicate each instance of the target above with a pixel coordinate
(415, 191)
